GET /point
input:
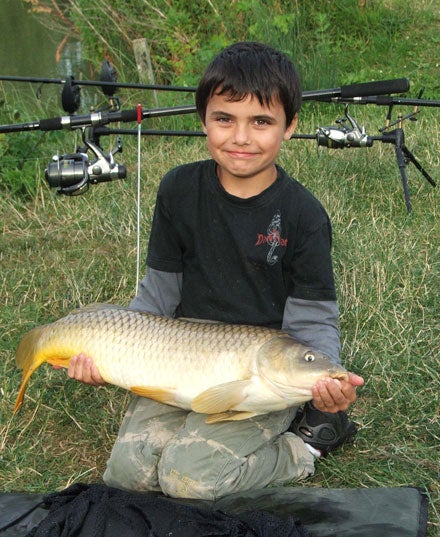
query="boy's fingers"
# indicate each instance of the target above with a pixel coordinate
(355, 380)
(96, 376)
(82, 368)
(73, 368)
(330, 395)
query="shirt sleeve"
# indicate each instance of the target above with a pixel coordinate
(159, 293)
(315, 323)
(311, 265)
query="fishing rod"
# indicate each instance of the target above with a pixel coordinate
(70, 177)
(71, 99)
(400, 85)
(384, 100)
(95, 119)
(108, 83)
(72, 174)
(71, 95)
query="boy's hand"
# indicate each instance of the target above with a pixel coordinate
(82, 368)
(331, 395)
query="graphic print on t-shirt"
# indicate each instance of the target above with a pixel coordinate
(272, 238)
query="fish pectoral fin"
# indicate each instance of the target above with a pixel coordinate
(220, 398)
(229, 416)
(162, 395)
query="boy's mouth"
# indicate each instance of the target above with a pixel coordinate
(240, 154)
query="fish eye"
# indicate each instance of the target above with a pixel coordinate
(309, 357)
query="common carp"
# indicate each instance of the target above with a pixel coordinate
(229, 371)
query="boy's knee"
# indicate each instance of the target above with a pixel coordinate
(144, 433)
(187, 470)
(192, 467)
(132, 466)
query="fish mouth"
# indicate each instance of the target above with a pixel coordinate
(342, 375)
(339, 375)
(281, 388)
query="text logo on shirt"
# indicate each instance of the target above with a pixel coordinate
(273, 238)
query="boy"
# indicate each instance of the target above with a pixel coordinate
(235, 239)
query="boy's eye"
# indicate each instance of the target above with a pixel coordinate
(223, 119)
(263, 121)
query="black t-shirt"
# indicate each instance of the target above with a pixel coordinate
(240, 258)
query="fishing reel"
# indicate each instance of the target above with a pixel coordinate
(72, 174)
(344, 135)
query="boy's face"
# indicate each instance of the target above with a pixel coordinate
(244, 138)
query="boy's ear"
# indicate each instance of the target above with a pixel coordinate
(291, 128)
(204, 127)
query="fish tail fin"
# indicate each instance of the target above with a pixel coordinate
(29, 359)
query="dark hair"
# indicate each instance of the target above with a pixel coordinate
(250, 68)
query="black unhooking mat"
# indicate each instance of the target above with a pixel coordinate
(101, 511)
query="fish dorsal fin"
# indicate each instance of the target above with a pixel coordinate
(162, 395)
(97, 306)
(201, 321)
(229, 416)
(220, 398)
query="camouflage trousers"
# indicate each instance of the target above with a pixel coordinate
(163, 448)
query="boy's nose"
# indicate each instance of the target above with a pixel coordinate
(242, 135)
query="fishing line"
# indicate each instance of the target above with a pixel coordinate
(138, 201)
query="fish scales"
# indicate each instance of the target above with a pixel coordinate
(193, 345)
(215, 352)
(230, 371)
